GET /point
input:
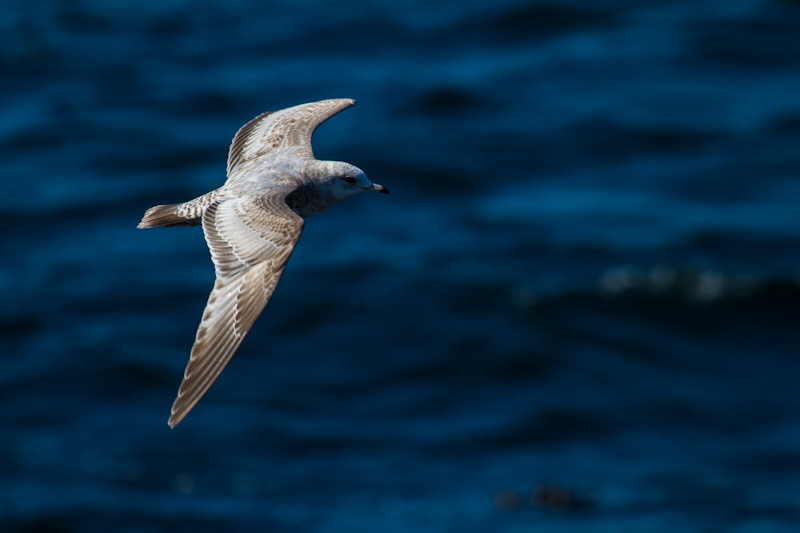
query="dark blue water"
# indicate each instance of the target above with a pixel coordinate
(579, 310)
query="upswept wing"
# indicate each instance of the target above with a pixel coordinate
(251, 239)
(287, 130)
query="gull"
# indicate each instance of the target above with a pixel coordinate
(252, 224)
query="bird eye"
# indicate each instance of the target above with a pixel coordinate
(349, 179)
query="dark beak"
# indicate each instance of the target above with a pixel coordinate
(380, 188)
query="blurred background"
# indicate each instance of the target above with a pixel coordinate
(578, 310)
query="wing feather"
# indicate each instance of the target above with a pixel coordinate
(251, 239)
(288, 130)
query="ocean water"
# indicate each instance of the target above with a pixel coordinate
(579, 310)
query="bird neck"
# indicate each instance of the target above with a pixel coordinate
(307, 200)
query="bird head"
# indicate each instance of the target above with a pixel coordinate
(344, 179)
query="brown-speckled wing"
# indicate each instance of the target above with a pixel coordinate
(251, 239)
(288, 130)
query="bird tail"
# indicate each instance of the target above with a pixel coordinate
(165, 215)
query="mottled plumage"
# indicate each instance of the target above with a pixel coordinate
(252, 224)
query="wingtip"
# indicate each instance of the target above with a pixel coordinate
(346, 102)
(177, 414)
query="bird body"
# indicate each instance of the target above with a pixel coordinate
(252, 224)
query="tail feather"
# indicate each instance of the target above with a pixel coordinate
(165, 215)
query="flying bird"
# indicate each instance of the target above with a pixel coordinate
(252, 224)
